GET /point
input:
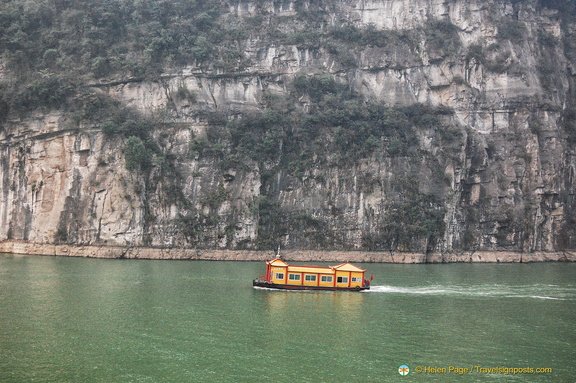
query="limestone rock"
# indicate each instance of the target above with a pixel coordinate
(509, 185)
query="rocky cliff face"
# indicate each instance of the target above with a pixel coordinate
(484, 158)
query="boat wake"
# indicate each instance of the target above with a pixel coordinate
(550, 292)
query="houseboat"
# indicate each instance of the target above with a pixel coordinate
(342, 277)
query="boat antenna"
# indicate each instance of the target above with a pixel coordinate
(278, 252)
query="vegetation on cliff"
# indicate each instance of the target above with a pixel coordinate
(339, 130)
(51, 49)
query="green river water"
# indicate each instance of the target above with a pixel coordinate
(99, 320)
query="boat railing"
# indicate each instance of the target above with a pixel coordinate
(261, 278)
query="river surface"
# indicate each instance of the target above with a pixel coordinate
(102, 320)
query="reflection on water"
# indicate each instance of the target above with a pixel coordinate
(287, 310)
(345, 305)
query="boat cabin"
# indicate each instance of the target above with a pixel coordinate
(343, 276)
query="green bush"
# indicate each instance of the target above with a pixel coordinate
(547, 39)
(442, 37)
(109, 128)
(95, 106)
(216, 198)
(136, 127)
(4, 102)
(512, 30)
(360, 38)
(569, 123)
(397, 147)
(319, 87)
(410, 224)
(475, 51)
(186, 94)
(47, 91)
(138, 157)
(198, 145)
(272, 223)
(348, 33)
(546, 71)
(202, 48)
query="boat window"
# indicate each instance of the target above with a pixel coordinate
(326, 278)
(342, 280)
(310, 278)
(294, 277)
(279, 275)
(356, 279)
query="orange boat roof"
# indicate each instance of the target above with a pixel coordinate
(311, 269)
(277, 262)
(318, 269)
(347, 267)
